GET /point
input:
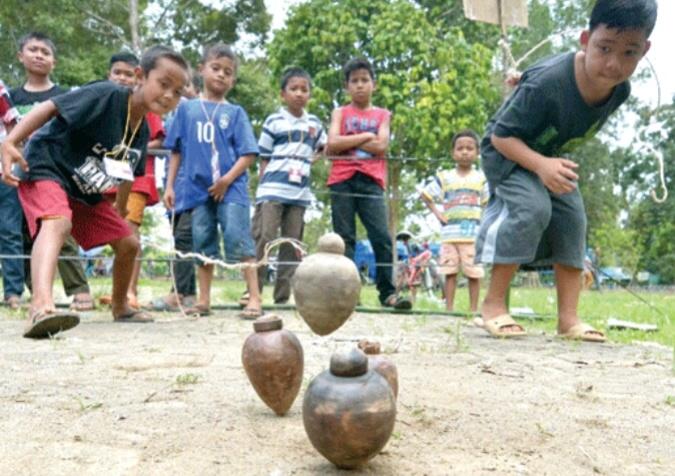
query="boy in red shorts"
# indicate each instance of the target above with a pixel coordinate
(89, 140)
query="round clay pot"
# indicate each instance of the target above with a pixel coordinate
(326, 286)
(380, 364)
(273, 361)
(349, 411)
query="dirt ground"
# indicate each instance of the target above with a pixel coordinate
(172, 398)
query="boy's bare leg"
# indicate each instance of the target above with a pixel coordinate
(568, 287)
(474, 292)
(204, 278)
(132, 293)
(494, 304)
(43, 261)
(450, 286)
(125, 252)
(251, 279)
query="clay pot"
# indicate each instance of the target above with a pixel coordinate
(380, 364)
(326, 286)
(349, 411)
(273, 361)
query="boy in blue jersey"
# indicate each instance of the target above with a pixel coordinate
(215, 142)
(288, 142)
(535, 212)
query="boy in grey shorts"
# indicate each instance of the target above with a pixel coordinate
(536, 213)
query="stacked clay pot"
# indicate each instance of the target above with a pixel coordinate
(349, 411)
(273, 360)
(326, 286)
(380, 364)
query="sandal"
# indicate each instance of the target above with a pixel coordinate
(495, 327)
(398, 302)
(46, 323)
(82, 304)
(199, 310)
(583, 332)
(135, 317)
(250, 313)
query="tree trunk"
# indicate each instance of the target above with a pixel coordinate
(133, 26)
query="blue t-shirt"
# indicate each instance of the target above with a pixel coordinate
(200, 126)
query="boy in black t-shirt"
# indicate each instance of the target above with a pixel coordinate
(535, 213)
(37, 54)
(89, 140)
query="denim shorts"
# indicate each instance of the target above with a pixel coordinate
(235, 223)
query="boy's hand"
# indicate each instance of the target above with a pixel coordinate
(10, 155)
(218, 189)
(441, 218)
(558, 175)
(169, 198)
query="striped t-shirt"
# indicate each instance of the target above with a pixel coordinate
(288, 143)
(461, 200)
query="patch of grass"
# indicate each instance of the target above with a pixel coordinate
(187, 379)
(670, 400)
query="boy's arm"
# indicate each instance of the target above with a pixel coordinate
(218, 189)
(380, 144)
(35, 119)
(433, 208)
(557, 174)
(263, 166)
(122, 197)
(169, 193)
(338, 143)
(156, 143)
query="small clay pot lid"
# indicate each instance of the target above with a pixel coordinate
(370, 347)
(268, 322)
(349, 363)
(331, 243)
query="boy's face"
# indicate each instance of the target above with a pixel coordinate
(611, 55)
(37, 57)
(219, 75)
(162, 88)
(465, 151)
(360, 85)
(123, 74)
(296, 93)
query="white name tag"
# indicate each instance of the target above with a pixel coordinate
(120, 169)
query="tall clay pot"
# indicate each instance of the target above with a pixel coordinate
(326, 286)
(349, 411)
(380, 364)
(273, 361)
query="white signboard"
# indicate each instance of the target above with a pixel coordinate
(514, 12)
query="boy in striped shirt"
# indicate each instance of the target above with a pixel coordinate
(289, 140)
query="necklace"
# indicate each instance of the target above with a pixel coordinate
(124, 146)
(210, 136)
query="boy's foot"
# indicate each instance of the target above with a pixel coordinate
(397, 302)
(583, 332)
(136, 317)
(503, 326)
(200, 310)
(162, 305)
(105, 300)
(82, 302)
(243, 300)
(250, 313)
(46, 323)
(13, 302)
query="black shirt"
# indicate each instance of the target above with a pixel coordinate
(548, 113)
(24, 100)
(70, 147)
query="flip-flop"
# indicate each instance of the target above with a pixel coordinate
(43, 324)
(82, 304)
(583, 332)
(199, 310)
(135, 317)
(250, 313)
(495, 327)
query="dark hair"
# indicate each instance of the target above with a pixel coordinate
(124, 57)
(219, 50)
(39, 36)
(466, 133)
(355, 64)
(155, 53)
(624, 15)
(196, 80)
(294, 72)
